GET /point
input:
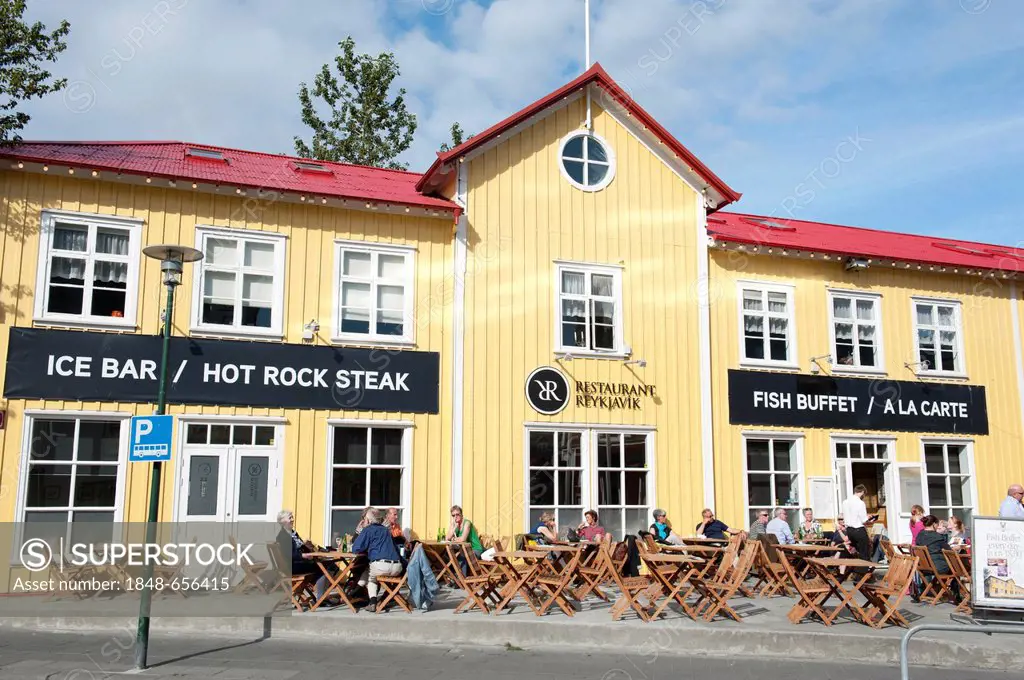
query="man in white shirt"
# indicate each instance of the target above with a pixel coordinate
(780, 527)
(856, 515)
(1013, 505)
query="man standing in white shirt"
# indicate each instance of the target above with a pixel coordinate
(856, 515)
(1012, 506)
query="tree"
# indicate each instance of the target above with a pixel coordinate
(367, 125)
(458, 137)
(23, 49)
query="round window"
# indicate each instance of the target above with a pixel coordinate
(587, 161)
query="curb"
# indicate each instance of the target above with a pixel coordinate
(637, 642)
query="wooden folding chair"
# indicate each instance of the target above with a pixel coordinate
(631, 587)
(714, 595)
(301, 588)
(770, 573)
(620, 555)
(558, 588)
(251, 574)
(963, 577)
(480, 588)
(884, 597)
(594, 572)
(887, 549)
(392, 587)
(811, 593)
(938, 585)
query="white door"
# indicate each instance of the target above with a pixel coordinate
(844, 483)
(911, 492)
(228, 474)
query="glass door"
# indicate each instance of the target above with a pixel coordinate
(844, 483)
(911, 492)
(204, 482)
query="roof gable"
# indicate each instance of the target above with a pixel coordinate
(596, 75)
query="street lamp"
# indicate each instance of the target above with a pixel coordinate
(172, 259)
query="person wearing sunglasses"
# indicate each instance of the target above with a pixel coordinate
(1012, 506)
(461, 530)
(760, 525)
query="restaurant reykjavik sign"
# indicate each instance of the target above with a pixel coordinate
(794, 400)
(548, 391)
(51, 364)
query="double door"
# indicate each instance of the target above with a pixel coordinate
(229, 482)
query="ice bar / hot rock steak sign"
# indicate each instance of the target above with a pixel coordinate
(51, 364)
(794, 400)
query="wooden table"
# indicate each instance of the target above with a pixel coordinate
(441, 560)
(520, 582)
(834, 571)
(799, 552)
(346, 563)
(673, 582)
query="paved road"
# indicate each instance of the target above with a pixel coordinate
(65, 656)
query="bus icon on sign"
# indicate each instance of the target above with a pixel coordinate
(151, 439)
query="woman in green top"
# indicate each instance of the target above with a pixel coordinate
(461, 530)
(809, 527)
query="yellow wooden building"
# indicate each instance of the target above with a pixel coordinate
(556, 316)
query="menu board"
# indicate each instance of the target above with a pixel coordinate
(997, 569)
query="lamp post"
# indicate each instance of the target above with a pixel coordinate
(172, 259)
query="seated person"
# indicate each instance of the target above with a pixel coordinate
(936, 541)
(365, 519)
(461, 530)
(780, 528)
(809, 528)
(292, 544)
(397, 534)
(839, 538)
(662, 529)
(546, 528)
(760, 525)
(713, 528)
(376, 543)
(590, 529)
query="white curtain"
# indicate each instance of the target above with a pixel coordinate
(574, 283)
(601, 285)
(752, 301)
(865, 310)
(946, 316)
(924, 315)
(753, 324)
(777, 303)
(841, 308)
(110, 272)
(111, 243)
(844, 332)
(67, 268)
(777, 328)
(866, 334)
(69, 238)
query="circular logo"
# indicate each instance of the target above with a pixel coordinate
(255, 469)
(547, 390)
(36, 554)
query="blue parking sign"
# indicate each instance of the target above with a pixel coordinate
(151, 439)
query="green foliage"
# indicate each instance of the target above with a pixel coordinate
(366, 126)
(23, 48)
(458, 137)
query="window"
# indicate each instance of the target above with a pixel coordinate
(73, 473)
(227, 434)
(766, 320)
(590, 308)
(239, 282)
(556, 477)
(622, 503)
(862, 450)
(308, 166)
(211, 154)
(856, 331)
(586, 161)
(368, 467)
(939, 340)
(571, 471)
(88, 269)
(375, 292)
(773, 478)
(947, 468)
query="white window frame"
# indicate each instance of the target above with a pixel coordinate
(609, 152)
(276, 329)
(405, 509)
(961, 369)
(92, 222)
(589, 477)
(791, 361)
(589, 269)
(408, 316)
(972, 473)
(797, 440)
(595, 477)
(27, 443)
(854, 297)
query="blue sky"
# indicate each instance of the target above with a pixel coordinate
(897, 114)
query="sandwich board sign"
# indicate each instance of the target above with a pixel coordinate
(150, 439)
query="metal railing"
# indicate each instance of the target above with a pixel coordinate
(987, 629)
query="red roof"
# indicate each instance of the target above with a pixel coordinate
(858, 241)
(246, 169)
(597, 75)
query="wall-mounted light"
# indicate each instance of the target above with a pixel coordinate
(565, 356)
(815, 366)
(310, 329)
(857, 263)
(911, 364)
(642, 363)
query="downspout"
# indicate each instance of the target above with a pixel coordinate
(459, 331)
(704, 352)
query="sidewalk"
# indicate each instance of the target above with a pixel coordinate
(764, 632)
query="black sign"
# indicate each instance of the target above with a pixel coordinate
(547, 390)
(48, 364)
(788, 399)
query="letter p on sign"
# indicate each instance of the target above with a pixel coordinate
(151, 439)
